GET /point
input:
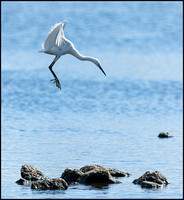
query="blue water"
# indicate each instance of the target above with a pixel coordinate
(111, 121)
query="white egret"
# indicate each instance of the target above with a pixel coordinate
(56, 44)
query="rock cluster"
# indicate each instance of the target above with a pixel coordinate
(89, 174)
(151, 180)
(31, 176)
(94, 175)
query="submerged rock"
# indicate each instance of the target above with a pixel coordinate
(52, 184)
(151, 180)
(29, 172)
(164, 135)
(23, 181)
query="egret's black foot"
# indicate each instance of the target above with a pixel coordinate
(56, 80)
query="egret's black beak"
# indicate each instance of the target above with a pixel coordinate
(101, 69)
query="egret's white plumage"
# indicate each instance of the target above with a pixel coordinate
(55, 36)
(56, 44)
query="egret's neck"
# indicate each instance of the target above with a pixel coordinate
(75, 53)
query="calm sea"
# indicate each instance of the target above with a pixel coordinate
(111, 121)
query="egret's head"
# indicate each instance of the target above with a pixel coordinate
(96, 62)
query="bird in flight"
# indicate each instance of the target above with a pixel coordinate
(56, 44)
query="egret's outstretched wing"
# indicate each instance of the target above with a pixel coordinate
(55, 36)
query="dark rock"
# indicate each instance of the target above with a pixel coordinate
(88, 168)
(71, 175)
(164, 135)
(29, 172)
(152, 179)
(91, 174)
(97, 176)
(52, 184)
(117, 173)
(23, 181)
(148, 184)
(113, 172)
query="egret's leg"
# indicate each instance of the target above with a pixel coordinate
(55, 80)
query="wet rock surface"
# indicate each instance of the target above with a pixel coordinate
(29, 172)
(97, 176)
(52, 184)
(113, 172)
(164, 135)
(93, 174)
(71, 175)
(148, 184)
(152, 180)
(23, 181)
(117, 173)
(88, 168)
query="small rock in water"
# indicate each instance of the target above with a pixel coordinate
(151, 180)
(164, 135)
(71, 175)
(97, 176)
(23, 181)
(29, 172)
(148, 184)
(52, 184)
